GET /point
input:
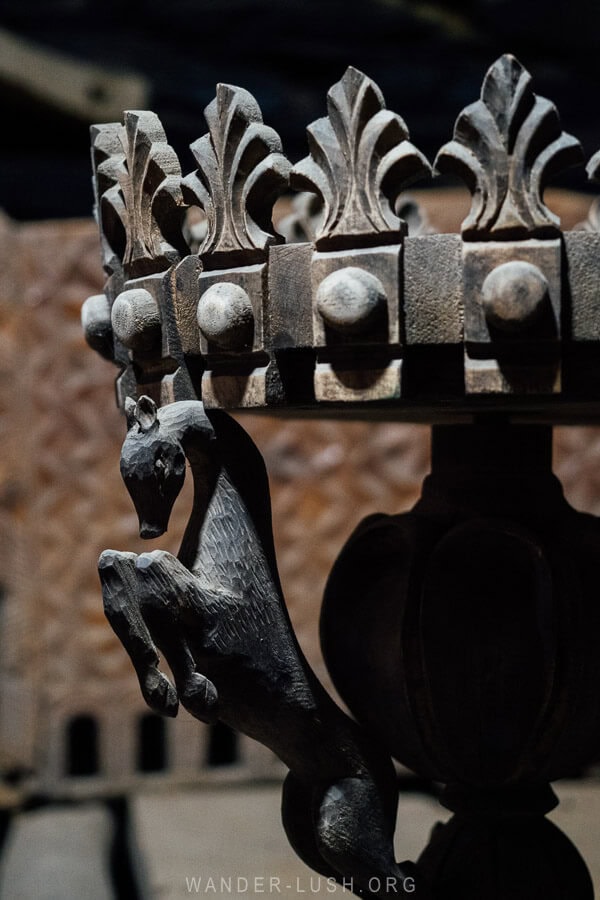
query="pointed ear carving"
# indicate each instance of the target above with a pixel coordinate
(129, 408)
(146, 413)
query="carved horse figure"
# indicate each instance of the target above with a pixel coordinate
(217, 614)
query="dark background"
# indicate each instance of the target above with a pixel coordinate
(428, 58)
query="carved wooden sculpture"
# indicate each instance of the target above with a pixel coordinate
(463, 636)
(209, 612)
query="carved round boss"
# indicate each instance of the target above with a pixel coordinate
(135, 319)
(96, 324)
(226, 317)
(350, 300)
(513, 295)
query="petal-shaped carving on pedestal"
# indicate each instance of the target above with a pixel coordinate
(138, 194)
(505, 147)
(360, 160)
(241, 171)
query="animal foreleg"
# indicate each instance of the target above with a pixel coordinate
(119, 580)
(164, 585)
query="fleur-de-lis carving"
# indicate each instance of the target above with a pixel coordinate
(360, 160)
(137, 184)
(505, 147)
(108, 160)
(241, 171)
(151, 189)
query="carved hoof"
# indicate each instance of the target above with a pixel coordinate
(110, 559)
(200, 698)
(159, 693)
(158, 562)
(154, 557)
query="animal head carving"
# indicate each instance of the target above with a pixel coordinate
(152, 465)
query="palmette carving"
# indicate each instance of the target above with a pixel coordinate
(304, 221)
(505, 147)
(108, 168)
(217, 614)
(241, 171)
(360, 160)
(151, 190)
(138, 195)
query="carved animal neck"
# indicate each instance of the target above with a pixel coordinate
(205, 472)
(229, 480)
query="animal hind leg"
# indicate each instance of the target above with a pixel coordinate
(354, 836)
(298, 817)
(119, 581)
